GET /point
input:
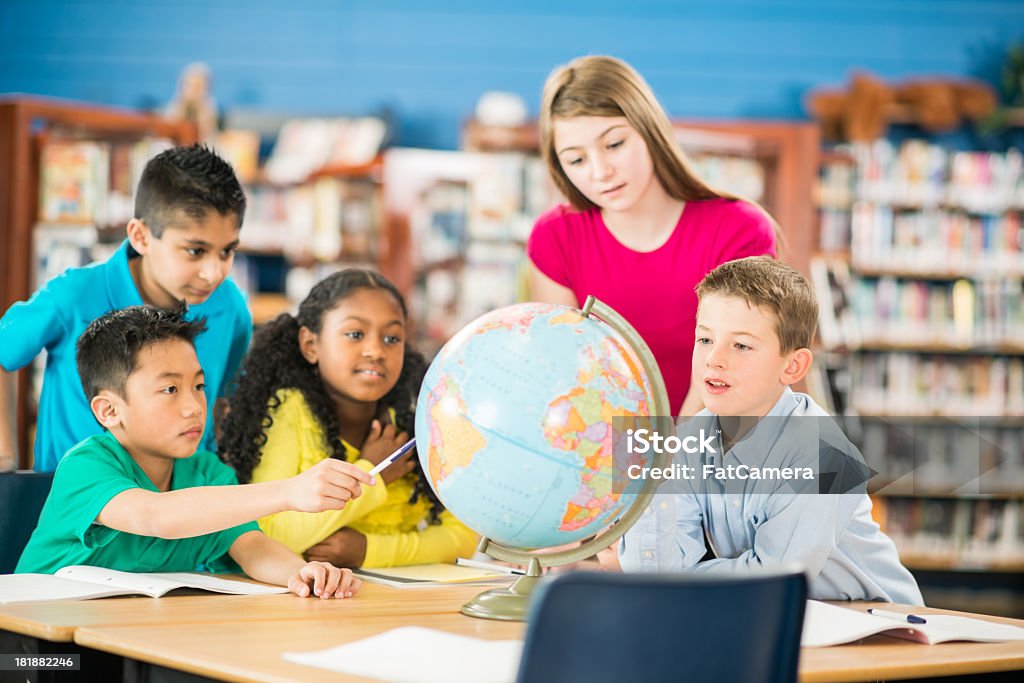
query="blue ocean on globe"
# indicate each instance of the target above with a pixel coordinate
(514, 424)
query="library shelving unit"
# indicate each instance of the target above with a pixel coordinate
(314, 206)
(32, 127)
(297, 232)
(919, 271)
(458, 223)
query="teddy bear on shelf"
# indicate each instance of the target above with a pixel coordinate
(862, 111)
(857, 113)
(943, 105)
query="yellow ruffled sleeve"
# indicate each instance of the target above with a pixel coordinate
(295, 442)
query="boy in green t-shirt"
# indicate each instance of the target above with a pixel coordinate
(139, 497)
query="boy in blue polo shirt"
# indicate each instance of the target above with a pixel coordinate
(755, 322)
(181, 244)
(140, 497)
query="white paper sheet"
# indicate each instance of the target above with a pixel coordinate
(427, 656)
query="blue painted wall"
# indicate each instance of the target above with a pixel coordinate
(430, 61)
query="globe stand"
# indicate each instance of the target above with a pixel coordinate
(512, 603)
(506, 604)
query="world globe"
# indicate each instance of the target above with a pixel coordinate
(514, 427)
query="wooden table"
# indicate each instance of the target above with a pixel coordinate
(252, 651)
(58, 621)
(49, 628)
(241, 638)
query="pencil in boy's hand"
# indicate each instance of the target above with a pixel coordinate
(402, 450)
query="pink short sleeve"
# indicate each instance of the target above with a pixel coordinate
(746, 231)
(547, 246)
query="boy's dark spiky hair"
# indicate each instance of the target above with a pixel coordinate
(109, 348)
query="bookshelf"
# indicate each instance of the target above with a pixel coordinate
(920, 272)
(314, 205)
(297, 232)
(31, 128)
(458, 223)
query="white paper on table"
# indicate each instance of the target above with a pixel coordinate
(427, 656)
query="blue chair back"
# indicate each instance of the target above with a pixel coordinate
(22, 495)
(597, 627)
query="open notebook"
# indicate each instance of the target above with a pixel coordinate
(826, 625)
(83, 583)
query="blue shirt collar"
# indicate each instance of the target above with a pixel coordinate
(753, 448)
(121, 288)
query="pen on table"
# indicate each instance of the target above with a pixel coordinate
(501, 569)
(405, 448)
(909, 618)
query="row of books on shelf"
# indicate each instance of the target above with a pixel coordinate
(935, 533)
(929, 314)
(307, 145)
(922, 174)
(447, 298)
(327, 219)
(739, 175)
(453, 199)
(857, 312)
(894, 383)
(963, 455)
(932, 241)
(468, 214)
(91, 182)
(450, 198)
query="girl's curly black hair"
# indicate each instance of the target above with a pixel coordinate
(274, 362)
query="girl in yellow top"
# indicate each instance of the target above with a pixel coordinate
(315, 385)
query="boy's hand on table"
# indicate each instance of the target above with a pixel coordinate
(7, 462)
(381, 442)
(323, 580)
(328, 485)
(345, 547)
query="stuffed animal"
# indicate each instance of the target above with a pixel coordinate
(943, 105)
(862, 111)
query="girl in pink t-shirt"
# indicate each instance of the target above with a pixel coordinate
(641, 229)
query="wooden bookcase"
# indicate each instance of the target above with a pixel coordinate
(329, 219)
(26, 122)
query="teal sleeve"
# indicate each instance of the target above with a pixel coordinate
(30, 326)
(84, 483)
(214, 554)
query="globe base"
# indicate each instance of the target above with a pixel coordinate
(504, 604)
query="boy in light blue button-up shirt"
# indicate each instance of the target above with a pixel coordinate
(755, 322)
